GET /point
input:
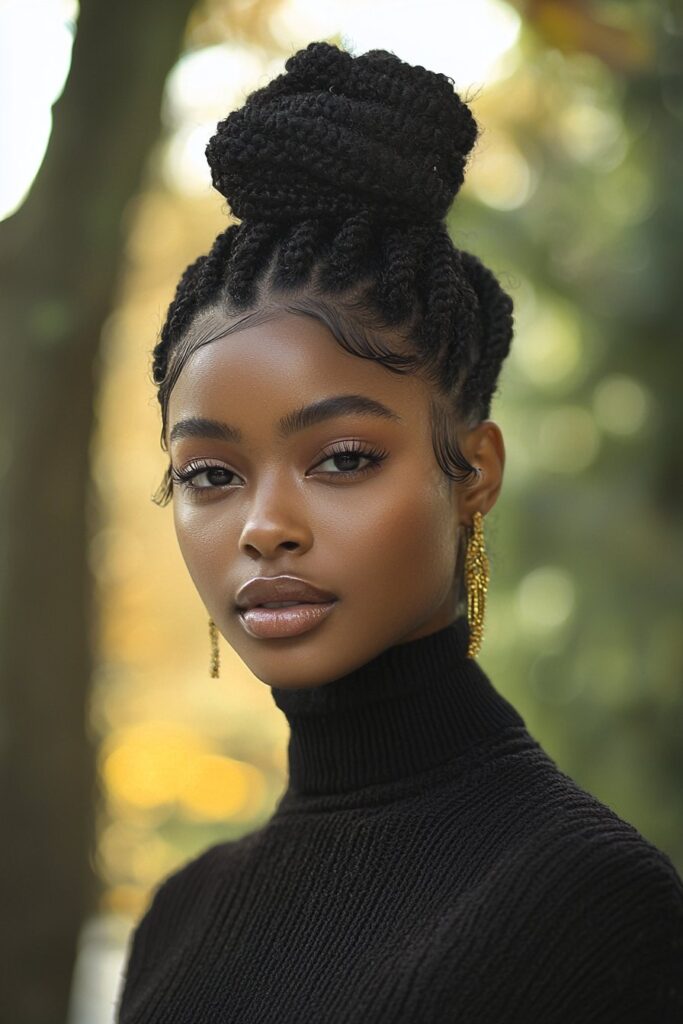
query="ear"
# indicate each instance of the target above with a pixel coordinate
(485, 449)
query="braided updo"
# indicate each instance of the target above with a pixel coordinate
(341, 171)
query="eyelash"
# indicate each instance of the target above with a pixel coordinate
(183, 477)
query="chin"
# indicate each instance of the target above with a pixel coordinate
(294, 684)
(304, 672)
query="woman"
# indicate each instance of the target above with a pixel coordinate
(325, 377)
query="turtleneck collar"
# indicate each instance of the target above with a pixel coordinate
(411, 708)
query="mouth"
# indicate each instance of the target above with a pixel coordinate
(280, 619)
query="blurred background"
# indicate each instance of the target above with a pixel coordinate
(121, 757)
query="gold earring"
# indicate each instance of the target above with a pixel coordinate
(213, 634)
(477, 582)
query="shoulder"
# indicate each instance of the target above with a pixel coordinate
(180, 904)
(617, 919)
(599, 901)
(201, 869)
(586, 931)
(183, 893)
(543, 809)
(585, 914)
(584, 858)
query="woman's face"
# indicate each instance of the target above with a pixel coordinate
(354, 503)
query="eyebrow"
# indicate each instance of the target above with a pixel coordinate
(293, 422)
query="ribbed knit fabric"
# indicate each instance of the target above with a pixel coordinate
(427, 863)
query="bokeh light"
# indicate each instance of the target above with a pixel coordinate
(545, 599)
(568, 439)
(548, 347)
(621, 404)
(36, 37)
(566, 198)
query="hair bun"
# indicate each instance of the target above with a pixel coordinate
(336, 132)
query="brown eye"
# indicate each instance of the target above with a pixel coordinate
(185, 477)
(346, 455)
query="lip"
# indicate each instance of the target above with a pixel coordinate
(277, 623)
(268, 589)
(313, 606)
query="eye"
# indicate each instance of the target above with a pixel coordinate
(184, 477)
(347, 454)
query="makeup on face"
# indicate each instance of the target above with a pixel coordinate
(276, 607)
(269, 623)
(299, 464)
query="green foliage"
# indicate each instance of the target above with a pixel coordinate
(585, 631)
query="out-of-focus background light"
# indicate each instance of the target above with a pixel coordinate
(35, 52)
(567, 199)
(36, 36)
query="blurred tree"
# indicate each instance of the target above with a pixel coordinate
(59, 256)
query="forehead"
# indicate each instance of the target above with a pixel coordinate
(264, 366)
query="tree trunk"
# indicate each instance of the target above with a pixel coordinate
(59, 256)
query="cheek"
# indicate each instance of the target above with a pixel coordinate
(204, 542)
(406, 547)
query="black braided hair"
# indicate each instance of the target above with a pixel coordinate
(341, 171)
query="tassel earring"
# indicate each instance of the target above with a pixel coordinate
(477, 582)
(213, 635)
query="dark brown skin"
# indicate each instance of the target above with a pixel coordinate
(383, 539)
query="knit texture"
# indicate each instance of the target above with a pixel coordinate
(428, 862)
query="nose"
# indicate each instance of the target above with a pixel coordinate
(275, 522)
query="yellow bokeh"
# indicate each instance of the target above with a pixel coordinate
(217, 788)
(549, 349)
(155, 763)
(147, 764)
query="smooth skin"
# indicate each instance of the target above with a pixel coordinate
(383, 538)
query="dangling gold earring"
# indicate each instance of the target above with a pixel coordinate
(477, 582)
(213, 634)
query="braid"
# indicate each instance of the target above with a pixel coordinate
(197, 286)
(398, 271)
(497, 329)
(341, 171)
(296, 255)
(449, 321)
(349, 256)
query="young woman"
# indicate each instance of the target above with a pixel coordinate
(325, 376)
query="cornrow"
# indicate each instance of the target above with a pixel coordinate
(296, 254)
(341, 171)
(350, 253)
(252, 243)
(397, 272)
(196, 287)
(451, 306)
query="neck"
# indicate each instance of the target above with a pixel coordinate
(413, 707)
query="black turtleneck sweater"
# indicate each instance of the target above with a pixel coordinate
(428, 863)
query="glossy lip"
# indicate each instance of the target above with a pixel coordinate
(279, 623)
(267, 589)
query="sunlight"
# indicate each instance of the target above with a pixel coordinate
(35, 52)
(468, 42)
(458, 38)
